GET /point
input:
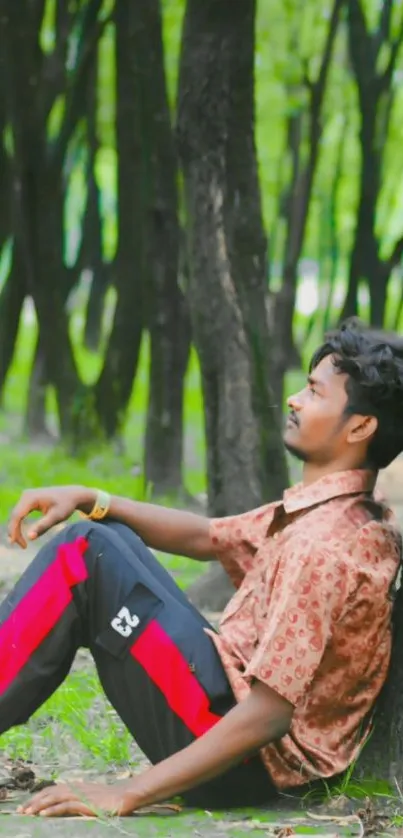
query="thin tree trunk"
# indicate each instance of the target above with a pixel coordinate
(167, 315)
(11, 302)
(100, 283)
(375, 93)
(35, 416)
(92, 260)
(399, 308)
(298, 202)
(114, 387)
(91, 250)
(38, 192)
(334, 248)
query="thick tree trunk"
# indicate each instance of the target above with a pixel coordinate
(382, 756)
(114, 387)
(167, 315)
(227, 247)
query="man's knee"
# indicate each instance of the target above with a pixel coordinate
(71, 532)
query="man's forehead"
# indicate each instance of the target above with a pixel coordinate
(326, 373)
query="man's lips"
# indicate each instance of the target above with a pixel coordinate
(292, 421)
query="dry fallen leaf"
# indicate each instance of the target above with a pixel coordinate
(284, 831)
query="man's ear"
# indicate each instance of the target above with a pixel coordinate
(362, 428)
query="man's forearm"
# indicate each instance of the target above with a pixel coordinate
(169, 530)
(242, 732)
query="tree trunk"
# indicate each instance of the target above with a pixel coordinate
(298, 202)
(91, 250)
(91, 259)
(38, 192)
(95, 308)
(245, 456)
(35, 415)
(364, 257)
(382, 756)
(167, 315)
(11, 302)
(114, 387)
(375, 94)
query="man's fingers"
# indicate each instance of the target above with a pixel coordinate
(14, 525)
(44, 524)
(66, 809)
(59, 801)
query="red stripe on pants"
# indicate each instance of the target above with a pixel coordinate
(40, 609)
(169, 670)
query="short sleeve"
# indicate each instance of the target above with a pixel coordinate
(237, 538)
(306, 599)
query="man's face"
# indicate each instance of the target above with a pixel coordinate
(316, 430)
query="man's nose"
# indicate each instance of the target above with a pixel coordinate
(294, 401)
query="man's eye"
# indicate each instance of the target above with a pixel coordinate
(312, 389)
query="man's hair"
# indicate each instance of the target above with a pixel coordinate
(373, 362)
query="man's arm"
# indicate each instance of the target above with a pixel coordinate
(170, 530)
(261, 718)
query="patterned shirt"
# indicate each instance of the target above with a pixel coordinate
(312, 615)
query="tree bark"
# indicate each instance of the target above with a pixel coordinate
(382, 756)
(91, 250)
(91, 259)
(227, 247)
(167, 316)
(35, 416)
(38, 185)
(11, 302)
(375, 94)
(114, 386)
(298, 202)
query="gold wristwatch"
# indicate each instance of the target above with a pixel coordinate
(101, 506)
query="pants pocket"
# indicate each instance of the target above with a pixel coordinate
(138, 609)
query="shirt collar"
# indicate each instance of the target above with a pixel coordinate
(334, 485)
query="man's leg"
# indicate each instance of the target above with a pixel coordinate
(97, 585)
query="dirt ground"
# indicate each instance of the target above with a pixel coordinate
(337, 818)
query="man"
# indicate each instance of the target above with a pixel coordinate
(283, 693)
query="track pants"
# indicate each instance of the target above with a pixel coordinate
(97, 585)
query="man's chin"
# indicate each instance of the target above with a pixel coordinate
(294, 449)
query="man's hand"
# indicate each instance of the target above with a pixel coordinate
(56, 504)
(81, 799)
(261, 718)
(170, 530)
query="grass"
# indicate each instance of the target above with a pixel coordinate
(76, 729)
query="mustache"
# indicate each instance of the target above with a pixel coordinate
(292, 417)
